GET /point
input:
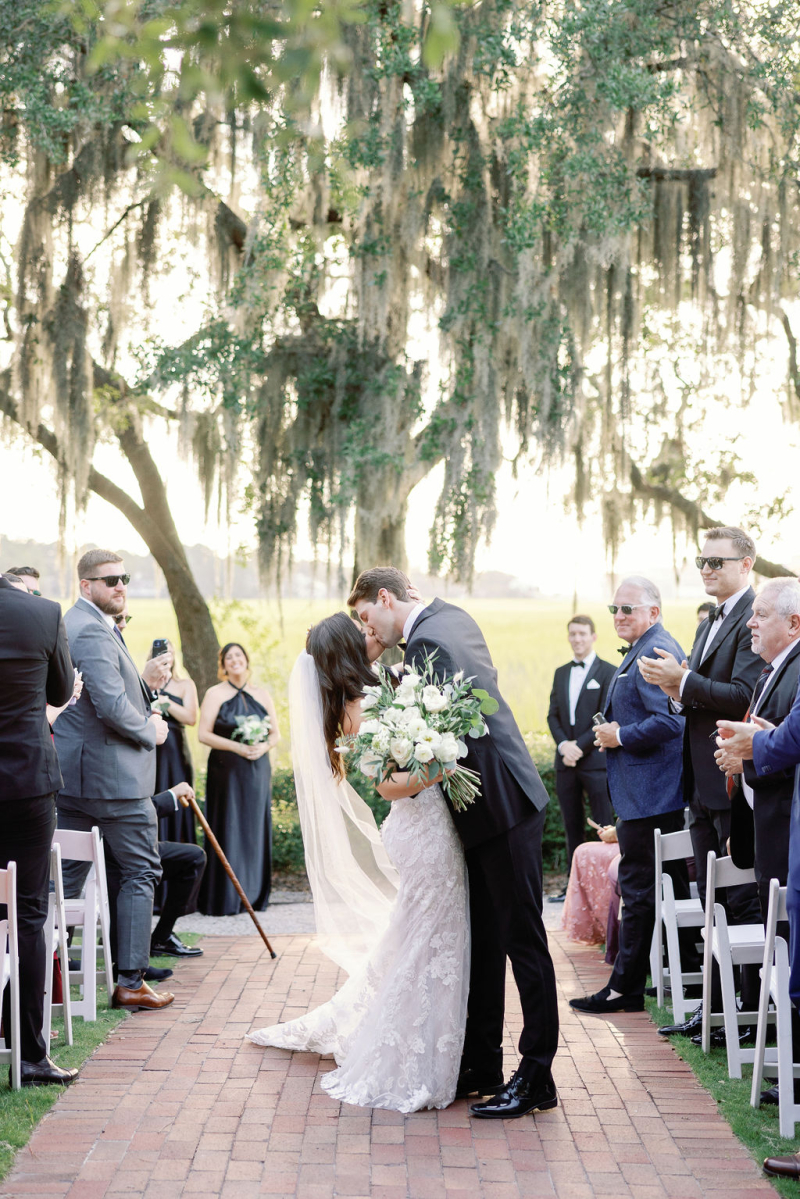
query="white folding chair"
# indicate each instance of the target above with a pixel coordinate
(729, 946)
(672, 914)
(56, 929)
(9, 970)
(87, 912)
(775, 987)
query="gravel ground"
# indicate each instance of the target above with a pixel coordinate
(290, 912)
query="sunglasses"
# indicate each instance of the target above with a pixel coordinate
(626, 609)
(714, 563)
(109, 580)
(121, 621)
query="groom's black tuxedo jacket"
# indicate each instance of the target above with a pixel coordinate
(719, 688)
(510, 783)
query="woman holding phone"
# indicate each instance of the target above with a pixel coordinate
(239, 723)
(177, 702)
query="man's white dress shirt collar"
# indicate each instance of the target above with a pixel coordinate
(411, 619)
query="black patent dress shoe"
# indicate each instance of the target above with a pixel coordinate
(173, 947)
(747, 1036)
(601, 1005)
(518, 1098)
(771, 1097)
(478, 1082)
(155, 974)
(44, 1074)
(691, 1025)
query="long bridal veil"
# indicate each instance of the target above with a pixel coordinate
(353, 883)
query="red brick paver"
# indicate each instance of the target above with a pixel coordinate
(177, 1103)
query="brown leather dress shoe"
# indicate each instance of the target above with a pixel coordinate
(143, 1000)
(783, 1167)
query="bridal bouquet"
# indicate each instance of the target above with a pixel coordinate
(423, 720)
(161, 704)
(251, 730)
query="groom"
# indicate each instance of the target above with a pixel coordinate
(502, 837)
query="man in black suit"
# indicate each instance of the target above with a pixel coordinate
(35, 669)
(579, 691)
(502, 837)
(716, 683)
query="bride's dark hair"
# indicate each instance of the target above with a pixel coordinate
(339, 650)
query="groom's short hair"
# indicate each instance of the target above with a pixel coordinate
(370, 582)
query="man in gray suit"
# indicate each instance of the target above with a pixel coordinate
(106, 745)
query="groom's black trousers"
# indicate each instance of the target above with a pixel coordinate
(505, 892)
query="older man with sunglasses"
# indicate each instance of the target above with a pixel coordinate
(106, 745)
(716, 683)
(641, 739)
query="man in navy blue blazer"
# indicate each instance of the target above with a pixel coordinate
(642, 740)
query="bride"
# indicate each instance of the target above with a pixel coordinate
(390, 907)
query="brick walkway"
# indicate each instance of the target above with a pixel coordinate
(176, 1103)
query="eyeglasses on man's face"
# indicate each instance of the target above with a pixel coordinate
(625, 609)
(121, 621)
(109, 580)
(714, 563)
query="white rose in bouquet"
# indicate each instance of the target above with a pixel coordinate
(402, 749)
(416, 729)
(370, 727)
(371, 764)
(409, 715)
(434, 699)
(369, 701)
(423, 752)
(406, 697)
(447, 749)
(429, 737)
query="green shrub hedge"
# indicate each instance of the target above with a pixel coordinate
(287, 841)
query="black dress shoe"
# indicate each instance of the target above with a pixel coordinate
(692, 1024)
(518, 1098)
(155, 974)
(44, 1074)
(173, 947)
(601, 1005)
(747, 1036)
(771, 1096)
(559, 898)
(478, 1082)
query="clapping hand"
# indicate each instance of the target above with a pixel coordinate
(735, 741)
(664, 671)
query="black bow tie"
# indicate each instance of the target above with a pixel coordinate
(623, 649)
(713, 613)
(581, 664)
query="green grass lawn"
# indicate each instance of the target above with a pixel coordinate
(756, 1128)
(527, 639)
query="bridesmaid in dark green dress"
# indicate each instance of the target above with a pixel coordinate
(238, 788)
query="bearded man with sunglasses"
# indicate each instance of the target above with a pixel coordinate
(106, 746)
(715, 684)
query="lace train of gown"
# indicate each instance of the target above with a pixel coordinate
(396, 1027)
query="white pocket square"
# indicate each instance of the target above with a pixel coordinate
(593, 685)
(624, 675)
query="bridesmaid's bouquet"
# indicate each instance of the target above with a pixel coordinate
(251, 730)
(421, 721)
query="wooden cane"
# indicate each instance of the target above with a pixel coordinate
(226, 864)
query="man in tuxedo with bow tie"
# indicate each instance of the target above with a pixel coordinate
(106, 745)
(716, 683)
(579, 691)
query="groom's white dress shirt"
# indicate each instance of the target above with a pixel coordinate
(411, 620)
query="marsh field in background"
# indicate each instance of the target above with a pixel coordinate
(527, 639)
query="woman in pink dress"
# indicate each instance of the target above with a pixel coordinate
(590, 891)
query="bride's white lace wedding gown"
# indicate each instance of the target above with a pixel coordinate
(396, 1027)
